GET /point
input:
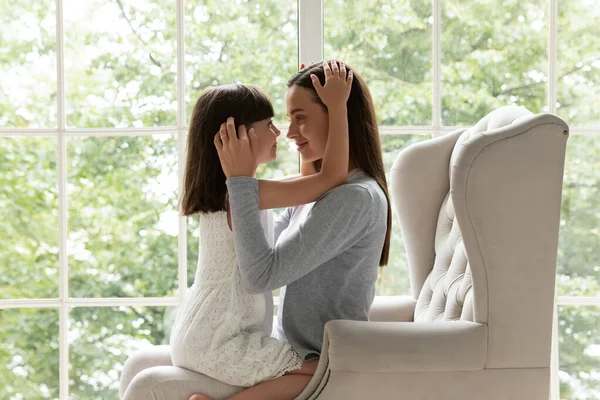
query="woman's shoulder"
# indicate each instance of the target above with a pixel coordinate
(365, 194)
(362, 187)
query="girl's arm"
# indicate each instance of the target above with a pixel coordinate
(306, 169)
(237, 158)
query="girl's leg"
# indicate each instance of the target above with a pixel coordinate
(143, 359)
(286, 387)
(173, 383)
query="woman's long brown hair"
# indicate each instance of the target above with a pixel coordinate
(365, 147)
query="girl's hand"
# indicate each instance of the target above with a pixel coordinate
(236, 154)
(337, 86)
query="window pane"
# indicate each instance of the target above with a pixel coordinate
(389, 44)
(579, 245)
(101, 339)
(28, 64)
(393, 278)
(579, 352)
(120, 63)
(29, 355)
(28, 217)
(494, 53)
(578, 62)
(122, 238)
(229, 41)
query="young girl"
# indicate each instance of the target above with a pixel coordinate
(223, 330)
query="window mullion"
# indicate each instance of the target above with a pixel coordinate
(437, 66)
(63, 272)
(181, 123)
(554, 359)
(552, 58)
(310, 31)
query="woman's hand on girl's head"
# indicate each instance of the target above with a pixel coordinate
(236, 153)
(337, 86)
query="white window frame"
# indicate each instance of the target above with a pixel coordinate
(310, 48)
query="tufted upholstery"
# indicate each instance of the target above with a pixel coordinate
(446, 293)
(448, 287)
(479, 210)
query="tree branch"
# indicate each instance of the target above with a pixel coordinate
(158, 64)
(517, 88)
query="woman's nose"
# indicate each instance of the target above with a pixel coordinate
(277, 132)
(291, 133)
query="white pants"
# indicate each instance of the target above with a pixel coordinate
(149, 374)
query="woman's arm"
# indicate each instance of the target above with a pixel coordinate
(335, 223)
(237, 158)
(306, 189)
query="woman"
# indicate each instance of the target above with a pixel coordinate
(325, 254)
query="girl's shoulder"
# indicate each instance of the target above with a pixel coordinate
(214, 221)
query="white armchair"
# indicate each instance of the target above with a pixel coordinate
(479, 211)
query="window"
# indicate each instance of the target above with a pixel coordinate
(94, 105)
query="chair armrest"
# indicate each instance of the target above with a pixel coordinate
(405, 346)
(393, 309)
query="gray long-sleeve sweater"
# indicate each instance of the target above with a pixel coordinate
(325, 257)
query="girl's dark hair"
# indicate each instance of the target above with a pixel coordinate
(204, 188)
(365, 148)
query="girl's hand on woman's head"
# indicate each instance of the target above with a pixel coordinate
(236, 153)
(337, 86)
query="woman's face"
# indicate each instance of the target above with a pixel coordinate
(309, 123)
(267, 134)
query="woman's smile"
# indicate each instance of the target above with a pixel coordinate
(300, 146)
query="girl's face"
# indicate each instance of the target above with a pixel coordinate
(309, 123)
(267, 134)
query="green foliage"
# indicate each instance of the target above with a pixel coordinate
(29, 354)
(389, 44)
(494, 54)
(121, 71)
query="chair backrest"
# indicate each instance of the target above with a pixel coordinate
(479, 210)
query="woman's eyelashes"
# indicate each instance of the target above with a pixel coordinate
(296, 119)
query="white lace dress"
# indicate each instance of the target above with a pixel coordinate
(221, 330)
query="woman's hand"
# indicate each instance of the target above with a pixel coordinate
(236, 153)
(337, 86)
